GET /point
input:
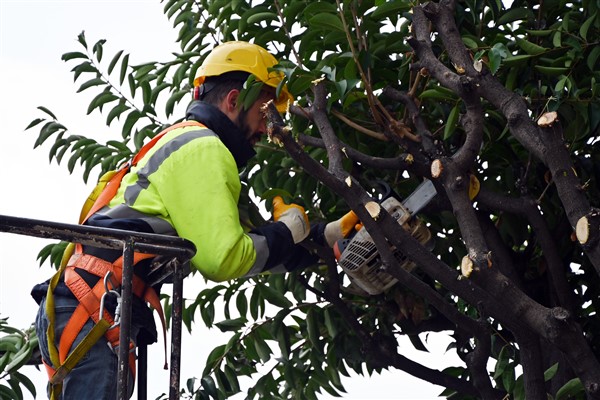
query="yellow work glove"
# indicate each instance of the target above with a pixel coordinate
(293, 216)
(341, 228)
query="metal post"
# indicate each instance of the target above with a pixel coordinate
(176, 318)
(142, 383)
(125, 322)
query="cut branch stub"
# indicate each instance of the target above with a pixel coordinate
(587, 229)
(374, 209)
(466, 266)
(436, 168)
(547, 119)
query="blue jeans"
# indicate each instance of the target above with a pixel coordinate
(95, 375)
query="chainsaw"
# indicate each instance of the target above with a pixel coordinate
(358, 255)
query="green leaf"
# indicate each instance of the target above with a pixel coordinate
(90, 83)
(183, 17)
(82, 68)
(592, 58)
(540, 32)
(508, 378)
(73, 55)
(116, 111)
(274, 297)
(570, 389)
(48, 130)
(514, 60)
(560, 85)
(173, 100)
(389, 9)
(130, 121)
(452, 122)
(233, 341)
(531, 48)
(209, 385)
(551, 71)
(25, 381)
(231, 324)
(214, 359)
(35, 122)
(470, 43)
(223, 381)
(313, 8)
(327, 22)
(519, 389)
(81, 39)
(232, 378)
(140, 71)
(283, 339)
(557, 39)
(262, 16)
(242, 302)
(262, 348)
(98, 49)
(503, 359)
(514, 14)
(114, 62)
(438, 93)
(312, 326)
(156, 91)
(100, 100)
(124, 65)
(45, 253)
(7, 393)
(47, 111)
(255, 302)
(583, 30)
(497, 53)
(57, 144)
(330, 324)
(550, 372)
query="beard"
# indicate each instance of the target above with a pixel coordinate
(242, 124)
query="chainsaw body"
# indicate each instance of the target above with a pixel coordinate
(359, 258)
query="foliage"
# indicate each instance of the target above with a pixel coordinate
(397, 99)
(17, 347)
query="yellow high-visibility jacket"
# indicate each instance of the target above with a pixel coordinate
(188, 185)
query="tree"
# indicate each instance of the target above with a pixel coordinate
(497, 105)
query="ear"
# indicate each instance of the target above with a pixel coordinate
(231, 100)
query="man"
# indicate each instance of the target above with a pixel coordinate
(187, 185)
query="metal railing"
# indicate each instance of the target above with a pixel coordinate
(177, 252)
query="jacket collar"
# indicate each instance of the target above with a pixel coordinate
(231, 136)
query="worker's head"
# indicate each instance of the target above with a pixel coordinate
(221, 77)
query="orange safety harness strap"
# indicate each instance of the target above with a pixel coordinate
(90, 298)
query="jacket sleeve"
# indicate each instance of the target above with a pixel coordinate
(282, 255)
(199, 187)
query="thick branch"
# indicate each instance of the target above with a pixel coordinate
(415, 117)
(533, 368)
(323, 124)
(527, 208)
(400, 163)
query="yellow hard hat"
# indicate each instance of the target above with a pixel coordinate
(247, 57)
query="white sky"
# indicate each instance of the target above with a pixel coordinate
(33, 36)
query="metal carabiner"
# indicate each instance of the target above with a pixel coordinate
(110, 292)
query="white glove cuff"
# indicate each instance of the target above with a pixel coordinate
(293, 218)
(333, 233)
